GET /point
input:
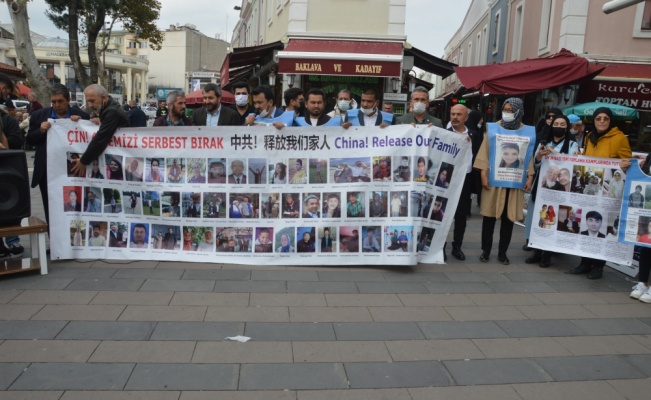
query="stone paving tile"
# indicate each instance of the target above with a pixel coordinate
(461, 330)
(72, 351)
(466, 277)
(53, 297)
(288, 299)
(480, 313)
(634, 310)
(34, 330)
(295, 331)
(479, 392)
(183, 377)
(393, 314)
(217, 275)
(34, 282)
(504, 299)
(459, 287)
(495, 371)
(7, 295)
(82, 272)
(250, 287)
(330, 314)
(163, 313)
(569, 298)
(27, 395)
(434, 300)
(643, 339)
(540, 328)
(416, 277)
(143, 352)
(354, 394)
(567, 311)
(166, 285)
(210, 299)
(196, 330)
(521, 287)
(617, 297)
(106, 284)
(425, 350)
(597, 390)
(632, 389)
(378, 331)
(601, 345)
(100, 330)
(580, 286)
(148, 273)
(589, 368)
(363, 300)
(9, 372)
(244, 395)
(252, 352)
(126, 395)
(397, 374)
(552, 276)
(347, 276)
(322, 287)
(247, 314)
(642, 362)
(18, 311)
(340, 351)
(392, 287)
(73, 376)
(79, 312)
(187, 265)
(295, 276)
(292, 376)
(133, 298)
(125, 264)
(646, 321)
(613, 326)
(521, 348)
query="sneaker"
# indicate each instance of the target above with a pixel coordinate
(639, 290)
(646, 296)
(15, 250)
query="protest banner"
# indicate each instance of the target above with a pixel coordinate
(510, 153)
(257, 195)
(578, 214)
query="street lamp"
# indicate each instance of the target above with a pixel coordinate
(290, 80)
(272, 77)
(395, 84)
(412, 81)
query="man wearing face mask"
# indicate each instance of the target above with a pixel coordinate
(369, 115)
(345, 102)
(212, 113)
(242, 106)
(264, 104)
(577, 128)
(419, 116)
(111, 117)
(295, 101)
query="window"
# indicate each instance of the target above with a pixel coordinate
(517, 32)
(460, 58)
(642, 24)
(544, 37)
(484, 45)
(469, 62)
(478, 60)
(270, 11)
(496, 32)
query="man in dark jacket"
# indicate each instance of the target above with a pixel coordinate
(212, 113)
(111, 117)
(37, 134)
(137, 117)
(176, 115)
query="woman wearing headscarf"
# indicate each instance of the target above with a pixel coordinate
(606, 141)
(559, 141)
(642, 291)
(498, 202)
(544, 125)
(616, 185)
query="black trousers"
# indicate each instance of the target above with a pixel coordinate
(645, 264)
(42, 185)
(506, 230)
(591, 262)
(461, 214)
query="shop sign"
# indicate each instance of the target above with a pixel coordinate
(124, 61)
(395, 97)
(56, 54)
(161, 93)
(339, 67)
(201, 74)
(630, 94)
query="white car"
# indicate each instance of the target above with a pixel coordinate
(150, 112)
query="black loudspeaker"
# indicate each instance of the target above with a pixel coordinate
(14, 187)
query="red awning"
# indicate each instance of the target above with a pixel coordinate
(341, 57)
(196, 97)
(526, 76)
(624, 72)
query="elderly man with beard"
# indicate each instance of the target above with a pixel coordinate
(111, 118)
(551, 179)
(176, 115)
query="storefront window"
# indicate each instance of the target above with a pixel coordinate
(646, 16)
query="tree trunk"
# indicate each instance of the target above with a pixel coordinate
(25, 51)
(73, 37)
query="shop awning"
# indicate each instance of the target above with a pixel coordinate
(244, 59)
(341, 57)
(623, 84)
(526, 76)
(430, 63)
(623, 72)
(11, 70)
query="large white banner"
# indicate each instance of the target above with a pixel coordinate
(257, 195)
(578, 206)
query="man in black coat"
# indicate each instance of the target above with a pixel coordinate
(212, 113)
(137, 117)
(37, 134)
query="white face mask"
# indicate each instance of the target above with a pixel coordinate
(479, 126)
(264, 114)
(368, 111)
(343, 105)
(508, 117)
(573, 131)
(419, 108)
(241, 99)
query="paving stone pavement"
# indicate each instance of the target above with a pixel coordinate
(142, 330)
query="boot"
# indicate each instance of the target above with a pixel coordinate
(596, 273)
(526, 246)
(457, 253)
(535, 257)
(545, 259)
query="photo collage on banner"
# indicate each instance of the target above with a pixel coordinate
(636, 207)
(335, 203)
(577, 208)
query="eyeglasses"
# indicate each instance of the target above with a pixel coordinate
(604, 119)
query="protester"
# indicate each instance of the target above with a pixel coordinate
(137, 117)
(212, 113)
(176, 115)
(295, 101)
(642, 291)
(344, 103)
(241, 107)
(419, 116)
(577, 129)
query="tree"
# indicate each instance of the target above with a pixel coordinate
(88, 17)
(25, 49)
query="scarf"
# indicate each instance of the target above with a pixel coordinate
(595, 136)
(518, 112)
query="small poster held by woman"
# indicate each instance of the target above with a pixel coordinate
(510, 153)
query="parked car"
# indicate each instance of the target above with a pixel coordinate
(20, 104)
(150, 112)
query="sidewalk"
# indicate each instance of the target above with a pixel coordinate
(466, 330)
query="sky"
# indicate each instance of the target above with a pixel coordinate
(429, 24)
